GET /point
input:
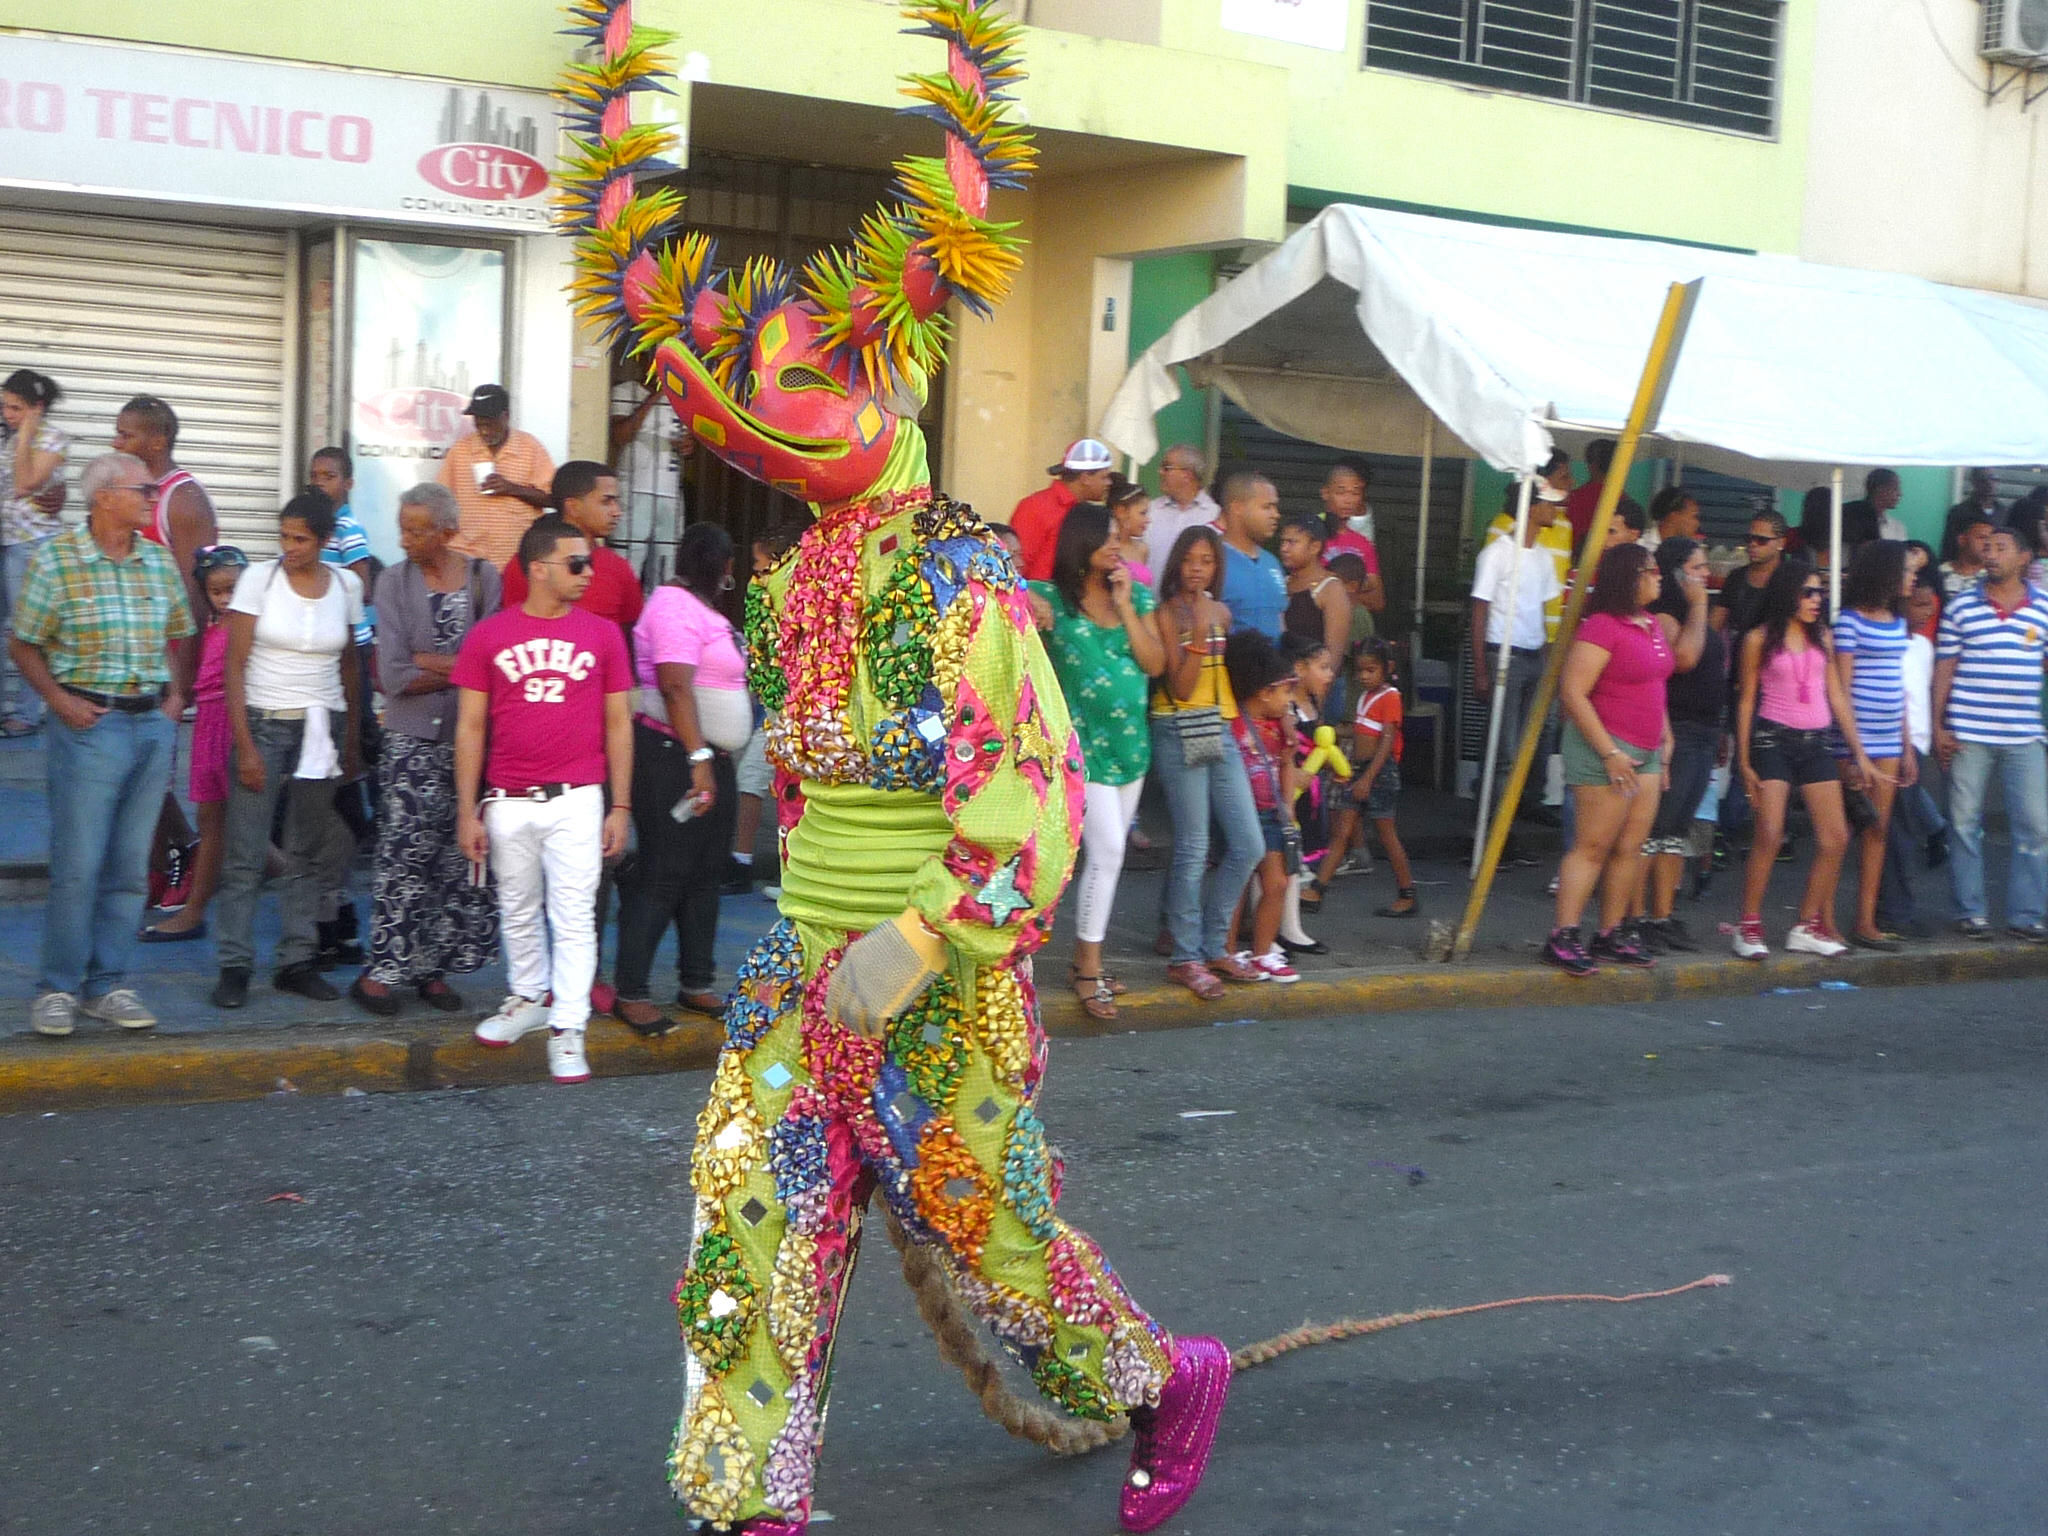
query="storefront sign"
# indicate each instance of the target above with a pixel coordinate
(245, 133)
(428, 327)
(1316, 23)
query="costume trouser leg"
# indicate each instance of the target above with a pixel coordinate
(804, 1119)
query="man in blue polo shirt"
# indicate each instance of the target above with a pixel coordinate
(1987, 712)
(1254, 586)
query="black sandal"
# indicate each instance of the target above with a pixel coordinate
(1311, 895)
(1407, 894)
(1099, 1004)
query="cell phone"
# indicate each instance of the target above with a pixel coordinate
(477, 874)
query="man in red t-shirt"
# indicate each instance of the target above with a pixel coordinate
(587, 495)
(1082, 474)
(545, 719)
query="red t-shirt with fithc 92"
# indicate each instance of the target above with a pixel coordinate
(546, 680)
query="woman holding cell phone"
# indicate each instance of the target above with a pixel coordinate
(691, 714)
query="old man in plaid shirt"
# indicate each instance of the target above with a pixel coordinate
(92, 634)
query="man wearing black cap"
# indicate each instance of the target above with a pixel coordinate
(500, 477)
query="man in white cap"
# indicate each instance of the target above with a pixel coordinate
(1082, 474)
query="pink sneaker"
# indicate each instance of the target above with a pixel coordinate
(1172, 1441)
(1274, 967)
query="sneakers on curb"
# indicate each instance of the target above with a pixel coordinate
(566, 1061)
(1749, 938)
(1973, 928)
(51, 1014)
(1237, 967)
(1676, 937)
(1621, 946)
(2029, 933)
(1810, 938)
(1564, 951)
(516, 1018)
(120, 1006)
(1274, 967)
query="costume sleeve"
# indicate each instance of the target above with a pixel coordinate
(1013, 790)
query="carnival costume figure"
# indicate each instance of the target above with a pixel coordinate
(884, 1035)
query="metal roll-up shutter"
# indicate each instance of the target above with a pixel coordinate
(115, 307)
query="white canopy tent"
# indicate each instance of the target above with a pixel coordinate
(1385, 332)
(1366, 323)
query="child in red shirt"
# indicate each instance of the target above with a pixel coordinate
(1376, 779)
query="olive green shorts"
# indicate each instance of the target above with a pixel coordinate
(1583, 766)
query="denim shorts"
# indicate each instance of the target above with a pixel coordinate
(1790, 756)
(1378, 804)
(1269, 824)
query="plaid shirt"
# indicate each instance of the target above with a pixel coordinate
(103, 623)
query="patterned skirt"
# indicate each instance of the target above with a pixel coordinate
(427, 919)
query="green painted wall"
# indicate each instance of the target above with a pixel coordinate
(1163, 288)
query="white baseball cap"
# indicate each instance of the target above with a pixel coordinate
(1084, 454)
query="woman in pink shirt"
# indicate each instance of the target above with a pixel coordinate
(1616, 743)
(691, 714)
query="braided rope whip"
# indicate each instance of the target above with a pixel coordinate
(961, 1346)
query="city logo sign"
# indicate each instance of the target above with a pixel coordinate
(487, 172)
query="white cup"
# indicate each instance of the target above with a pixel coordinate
(483, 472)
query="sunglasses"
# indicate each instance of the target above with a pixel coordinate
(1806, 592)
(575, 565)
(1763, 538)
(219, 557)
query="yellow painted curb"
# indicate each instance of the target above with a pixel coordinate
(310, 1059)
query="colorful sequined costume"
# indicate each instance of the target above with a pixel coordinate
(925, 763)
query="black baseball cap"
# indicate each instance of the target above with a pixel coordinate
(488, 400)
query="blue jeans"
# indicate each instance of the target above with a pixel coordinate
(16, 697)
(1201, 925)
(2024, 771)
(106, 791)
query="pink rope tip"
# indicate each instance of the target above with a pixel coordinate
(1718, 1280)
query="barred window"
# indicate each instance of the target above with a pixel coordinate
(1713, 63)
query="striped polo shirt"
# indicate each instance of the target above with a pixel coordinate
(1877, 685)
(1996, 696)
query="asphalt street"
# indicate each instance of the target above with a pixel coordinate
(461, 1323)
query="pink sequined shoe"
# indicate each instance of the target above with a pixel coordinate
(769, 1528)
(1173, 1440)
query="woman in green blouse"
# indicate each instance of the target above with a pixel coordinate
(1105, 647)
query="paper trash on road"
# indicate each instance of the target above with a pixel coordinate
(1205, 1114)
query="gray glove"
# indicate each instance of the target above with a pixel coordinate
(882, 973)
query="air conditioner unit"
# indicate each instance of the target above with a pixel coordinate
(2016, 32)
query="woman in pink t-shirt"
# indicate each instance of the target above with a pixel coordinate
(1616, 743)
(691, 714)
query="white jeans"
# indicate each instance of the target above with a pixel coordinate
(549, 853)
(1105, 826)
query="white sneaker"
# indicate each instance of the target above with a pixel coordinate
(1805, 939)
(516, 1018)
(1749, 940)
(1274, 967)
(566, 1061)
(119, 1006)
(51, 1014)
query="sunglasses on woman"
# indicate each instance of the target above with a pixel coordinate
(1806, 592)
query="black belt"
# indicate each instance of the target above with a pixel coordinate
(539, 792)
(120, 703)
(1527, 650)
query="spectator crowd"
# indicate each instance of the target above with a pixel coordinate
(526, 735)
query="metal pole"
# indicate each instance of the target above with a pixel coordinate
(1422, 539)
(1835, 550)
(1500, 678)
(1642, 417)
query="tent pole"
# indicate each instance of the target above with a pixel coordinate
(1500, 677)
(1642, 417)
(1835, 549)
(1422, 540)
